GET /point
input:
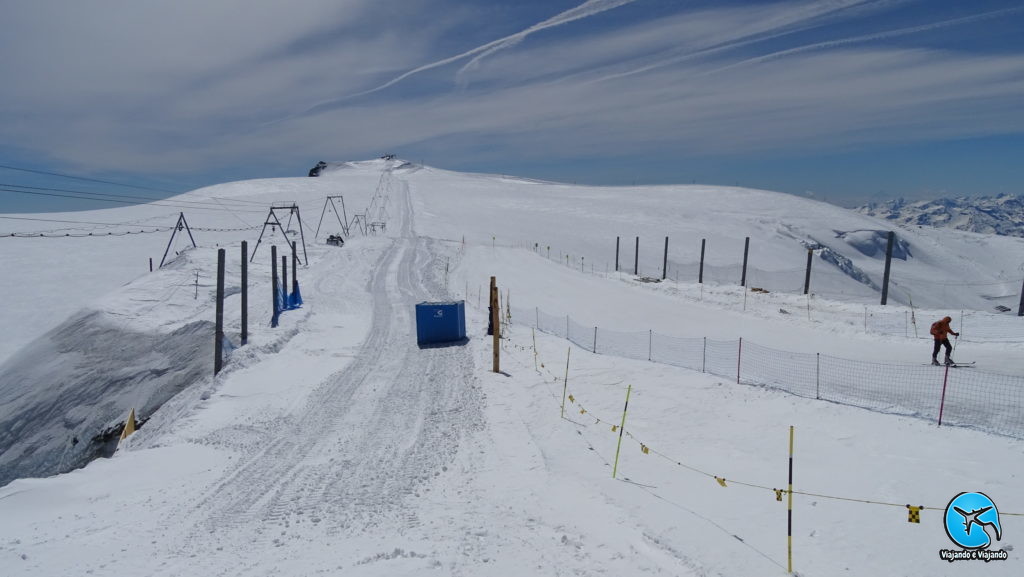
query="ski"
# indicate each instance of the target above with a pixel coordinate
(953, 365)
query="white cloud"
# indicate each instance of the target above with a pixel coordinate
(152, 90)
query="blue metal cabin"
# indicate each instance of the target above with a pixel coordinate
(440, 322)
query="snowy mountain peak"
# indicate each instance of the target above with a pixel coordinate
(1002, 215)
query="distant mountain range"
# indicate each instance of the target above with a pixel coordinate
(1003, 215)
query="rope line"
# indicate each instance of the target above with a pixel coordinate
(646, 449)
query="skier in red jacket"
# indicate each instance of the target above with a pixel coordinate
(940, 332)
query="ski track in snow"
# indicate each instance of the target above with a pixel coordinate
(368, 437)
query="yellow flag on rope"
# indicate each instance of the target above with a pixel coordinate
(914, 514)
(129, 425)
(721, 481)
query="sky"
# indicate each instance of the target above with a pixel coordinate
(840, 100)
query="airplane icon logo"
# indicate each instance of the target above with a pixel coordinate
(967, 517)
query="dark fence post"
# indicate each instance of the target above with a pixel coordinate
(888, 263)
(700, 275)
(746, 251)
(295, 270)
(636, 258)
(150, 264)
(616, 254)
(739, 357)
(245, 292)
(273, 283)
(817, 376)
(664, 262)
(284, 281)
(1020, 310)
(704, 357)
(218, 344)
(942, 400)
(807, 277)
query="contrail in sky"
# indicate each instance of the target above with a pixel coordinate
(871, 37)
(585, 10)
(800, 21)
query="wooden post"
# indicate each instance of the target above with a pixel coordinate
(622, 427)
(807, 276)
(617, 255)
(888, 262)
(495, 323)
(245, 292)
(700, 275)
(664, 262)
(218, 344)
(150, 264)
(746, 251)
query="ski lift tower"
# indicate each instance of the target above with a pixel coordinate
(273, 220)
(341, 216)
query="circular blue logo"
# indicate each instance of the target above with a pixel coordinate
(968, 519)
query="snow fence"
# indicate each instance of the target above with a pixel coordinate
(962, 397)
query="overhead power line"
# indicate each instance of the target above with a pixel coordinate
(73, 177)
(215, 200)
(175, 204)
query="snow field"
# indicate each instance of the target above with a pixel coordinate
(334, 445)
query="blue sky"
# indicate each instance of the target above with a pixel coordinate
(844, 100)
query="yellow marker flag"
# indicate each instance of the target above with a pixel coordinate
(914, 514)
(644, 449)
(129, 425)
(583, 411)
(778, 494)
(721, 481)
(615, 428)
(572, 399)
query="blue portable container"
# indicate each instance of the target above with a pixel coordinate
(440, 322)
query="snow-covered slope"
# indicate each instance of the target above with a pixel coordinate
(332, 444)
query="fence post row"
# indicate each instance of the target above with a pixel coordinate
(739, 365)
